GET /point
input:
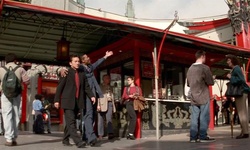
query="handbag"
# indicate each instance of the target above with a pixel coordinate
(141, 98)
(234, 90)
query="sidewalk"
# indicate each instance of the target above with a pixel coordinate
(222, 134)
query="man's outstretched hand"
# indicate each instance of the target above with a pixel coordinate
(108, 53)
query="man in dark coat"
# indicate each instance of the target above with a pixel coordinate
(71, 90)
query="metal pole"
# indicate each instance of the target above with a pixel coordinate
(156, 90)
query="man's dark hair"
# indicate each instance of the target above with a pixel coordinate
(73, 56)
(10, 57)
(38, 96)
(199, 53)
(233, 58)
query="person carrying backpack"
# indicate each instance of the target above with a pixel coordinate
(11, 77)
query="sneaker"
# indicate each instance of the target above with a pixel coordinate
(195, 141)
(192, 141)
(207, 139)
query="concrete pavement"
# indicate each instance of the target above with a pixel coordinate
(222, 134)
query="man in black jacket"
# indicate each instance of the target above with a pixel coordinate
(71, 90)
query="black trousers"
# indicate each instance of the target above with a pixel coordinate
(132, 116)
(70, 129)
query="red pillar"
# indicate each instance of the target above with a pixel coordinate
(24, 102)
(137, 70)
(243, 38)
(211, 123)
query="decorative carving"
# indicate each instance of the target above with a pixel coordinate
(177, 117)
(239, 13)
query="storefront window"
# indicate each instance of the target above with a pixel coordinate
(174, 82)
(115, 75)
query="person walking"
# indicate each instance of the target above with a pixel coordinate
(237, 78)
(11, 104)
(130, 93)
(106, 108)
(89, 113)
(72, 91)
(199, 78)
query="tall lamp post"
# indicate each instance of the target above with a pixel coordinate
(156, 61)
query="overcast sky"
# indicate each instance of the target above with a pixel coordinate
(163, 9)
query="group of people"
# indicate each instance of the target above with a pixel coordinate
(41, 114)
(199, 78)
(82, 99)
(78, 90)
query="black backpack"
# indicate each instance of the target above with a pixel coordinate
(11, 85)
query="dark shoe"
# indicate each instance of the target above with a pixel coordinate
(49, 132)
(81, 145)
(66, 143)
(131, 136)
(8, 143)
(14, 143)
(207, 139)
(242, 136)
(111, 136)
(1, 134)
(93, 142)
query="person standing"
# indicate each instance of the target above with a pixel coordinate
(199, 78)
(106, 108)
(47, 106)
(88, 118)
(130, 93)
(216, 110)
(237, 78)
(11, 106)
(72, 90)
(38, 108)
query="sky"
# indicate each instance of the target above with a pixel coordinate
(163, 9)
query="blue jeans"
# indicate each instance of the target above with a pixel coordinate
(87, 123)
(200, 118)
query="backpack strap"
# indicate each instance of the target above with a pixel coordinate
(137, 90)
(128, 90)
(16, 68)
(6, 69)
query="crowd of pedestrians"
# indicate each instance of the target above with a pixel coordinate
(88, 99)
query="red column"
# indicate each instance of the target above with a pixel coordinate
(211, 123)
(24, 102)
(137, 70)
(243, 39)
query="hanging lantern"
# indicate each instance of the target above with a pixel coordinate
(63, 49)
